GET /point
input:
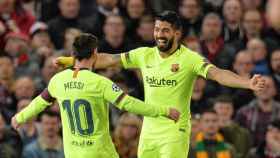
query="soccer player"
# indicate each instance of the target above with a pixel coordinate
(83, 98)
(169, 71)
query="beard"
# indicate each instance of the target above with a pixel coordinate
(167, 44)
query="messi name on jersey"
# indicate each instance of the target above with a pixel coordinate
(73, 85)
(160, 82)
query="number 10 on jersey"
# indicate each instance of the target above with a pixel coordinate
(81, 108)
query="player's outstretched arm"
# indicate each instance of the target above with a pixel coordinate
(131, 104)
(36, 106)
(103, 61)
(230, 79)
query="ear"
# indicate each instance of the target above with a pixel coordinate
(178, 34)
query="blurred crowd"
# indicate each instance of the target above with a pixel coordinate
(232, 34)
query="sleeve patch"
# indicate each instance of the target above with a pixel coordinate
(127, 57)
(116, 88)
(120, 98)
(47, 96)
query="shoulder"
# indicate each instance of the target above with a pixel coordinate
(54, 22)
(143, 50)
(186, 52)
(231, 148)
(32, 147)
(59, 75)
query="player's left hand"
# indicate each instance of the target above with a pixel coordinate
(257, 83)
(14, 123)
(174, 114)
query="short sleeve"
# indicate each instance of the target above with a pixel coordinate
(112, 92)
(201, 65)
(132, 58)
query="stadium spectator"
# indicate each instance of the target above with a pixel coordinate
(258, 113)
(29, 131)
(212, 42)
(114, 36)
(162, 5)
(199, 99)
(104, 9)
(213, 6)
(196, 128)
(49, 143)
(41, 44)
(17, 46)
(232, 12)
(270, 147)
(68, 18)
(7, 72)
(233, 133)
(7, 101)
(126, 135)
(145, 31)
(10, 142)
(242, 65)
(258, 49)
(191, 14)
(253, 4)
(135, 9)
(24, 87)
(252, 26)
(40, 36)
(193, 44)
(14, 18)
(47, 71)
(69, 36)
(209, 142)
(272, 15)
(275, 67)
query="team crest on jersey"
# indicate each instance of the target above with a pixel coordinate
(115, 88)
(175, 67)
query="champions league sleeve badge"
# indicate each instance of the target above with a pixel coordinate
(116, 88)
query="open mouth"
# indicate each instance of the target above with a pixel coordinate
(161, 41)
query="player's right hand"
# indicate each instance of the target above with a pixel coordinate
(63, 61)
(14, 123)
(56, 63)
(174, 114)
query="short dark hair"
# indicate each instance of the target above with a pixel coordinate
(209, 110)
(223, 99)
(170, 17)
(275, 124)
(147, 18)
(50, 113)
(84, 45)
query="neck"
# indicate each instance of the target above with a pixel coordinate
(265, 105)
(49, 141)
(251, 36)
(232, 25)
(114, 41)
(170, 51)
(225, 122)
(85, 63)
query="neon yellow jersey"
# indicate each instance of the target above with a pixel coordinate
(84, 109)
(84, 112)
(167, 81)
